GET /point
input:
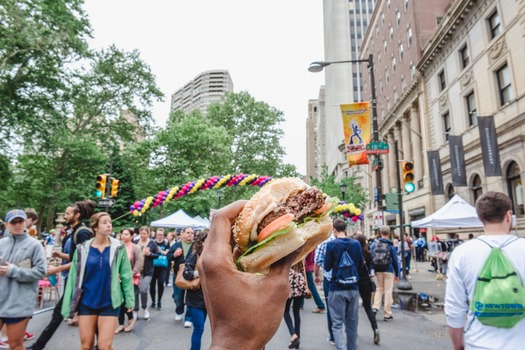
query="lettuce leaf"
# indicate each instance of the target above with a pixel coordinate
(335, 202)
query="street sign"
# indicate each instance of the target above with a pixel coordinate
(377, 147)
(392, 203)
(105, 202)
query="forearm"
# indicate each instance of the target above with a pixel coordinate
(456, 336)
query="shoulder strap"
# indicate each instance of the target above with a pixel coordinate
(504, 244)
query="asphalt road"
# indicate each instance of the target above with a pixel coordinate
(409, 330)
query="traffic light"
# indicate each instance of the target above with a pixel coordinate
(408, 176)
(114, 187)
(101, 185)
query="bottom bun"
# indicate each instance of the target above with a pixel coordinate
(306, 237)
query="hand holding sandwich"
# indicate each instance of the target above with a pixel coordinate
(245, 309)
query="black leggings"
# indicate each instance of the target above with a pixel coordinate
(159, 274)
(296, 308)
(365, 292)
(123, 311)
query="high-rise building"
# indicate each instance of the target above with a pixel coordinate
(207, 88)
(396, 36)
(345, 22)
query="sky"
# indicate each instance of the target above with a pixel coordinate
(266, 46)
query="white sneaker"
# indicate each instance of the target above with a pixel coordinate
(135, 315)
(146, 314)
(178, 317)
(188, 324)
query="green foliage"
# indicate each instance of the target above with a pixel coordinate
(354, 192)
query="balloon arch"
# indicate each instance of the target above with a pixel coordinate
(348, 210)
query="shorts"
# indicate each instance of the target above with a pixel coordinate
(12, 320)
(107, 311)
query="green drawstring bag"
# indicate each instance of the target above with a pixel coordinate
(499, 295)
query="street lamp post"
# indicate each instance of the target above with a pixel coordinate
(318, 66)
(219, 194)
(342, 188)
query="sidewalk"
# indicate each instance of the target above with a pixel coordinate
(427, 293)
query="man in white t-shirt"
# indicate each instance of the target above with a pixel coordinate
(466, 261)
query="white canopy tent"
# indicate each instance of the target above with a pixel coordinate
(179, 219)
(455, 213)
(203, 221)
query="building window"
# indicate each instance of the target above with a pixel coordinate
(477, 189)
(401, 51)
(385, 45)
(388, 4)
(412, 71)
(396, 96)
(441, 80)
(446, 125)
(409, 36)
(391, 33)
(403, 85)
(406, 5)
(504, 84)
(515, 188)
(382, 18)
(494, 25)
(393, 64)
(464, 57)
(378, 57)
(450, 191)
(387, 76)
(472, 110)
(398, 18)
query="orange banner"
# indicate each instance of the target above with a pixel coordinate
(356, 126)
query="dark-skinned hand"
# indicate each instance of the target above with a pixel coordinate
(245, 309)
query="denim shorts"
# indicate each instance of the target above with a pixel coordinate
(12, 320)
(107, 311)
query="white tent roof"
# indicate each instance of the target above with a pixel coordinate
(203, 221)
(454, 214)
(179, 219)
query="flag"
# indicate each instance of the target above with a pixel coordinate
(436, 179)
(457, 160)
(489, 146)
(356, 127)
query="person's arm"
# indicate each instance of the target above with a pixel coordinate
(224, 286)
(153, 250)
(328, 258)
(456, 336)
(394, 260)
(51, 270)
(35, 270)
(137, 259)
(456, 302)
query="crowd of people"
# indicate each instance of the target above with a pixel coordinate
(108, 277)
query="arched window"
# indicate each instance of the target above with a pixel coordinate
(515, 189)
(477, 190)
(450, 192)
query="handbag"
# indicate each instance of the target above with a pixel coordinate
(183, 283)
(161, 261)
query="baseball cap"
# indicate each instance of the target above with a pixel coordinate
(15, 213)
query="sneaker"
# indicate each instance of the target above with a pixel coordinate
(318, 310)
(374, 311)
(135, 315)
(178, 317)
(389, 318)
(153, 305)
(28, 336)
(169, 285)
(376, 337)
(330, 341)
(146, 314)
(4, 345)
(159, 307)
(188, 324)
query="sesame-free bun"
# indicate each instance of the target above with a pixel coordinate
(270, 197)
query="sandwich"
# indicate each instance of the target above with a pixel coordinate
(284, 216)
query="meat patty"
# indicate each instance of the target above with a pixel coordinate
(301, 205)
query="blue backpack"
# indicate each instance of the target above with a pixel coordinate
(346, 275)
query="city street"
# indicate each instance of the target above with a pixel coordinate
(421, 330)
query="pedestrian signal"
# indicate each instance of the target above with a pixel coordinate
(408, 176)
(114, 187)
(101, 185)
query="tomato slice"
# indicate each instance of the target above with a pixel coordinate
(276, 225)
(324, 208)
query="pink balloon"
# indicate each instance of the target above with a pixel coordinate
(354, 218)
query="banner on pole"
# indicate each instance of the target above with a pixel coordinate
(489, 146)
(356, 127)
(457, 161)
(436, 179)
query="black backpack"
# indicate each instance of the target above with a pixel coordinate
(382, 256)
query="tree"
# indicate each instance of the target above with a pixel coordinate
(38, 39)
(354, 192)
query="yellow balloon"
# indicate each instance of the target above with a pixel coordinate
(135, 212)
(358, 212)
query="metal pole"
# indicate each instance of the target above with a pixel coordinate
(375, 130)
(403, 283)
